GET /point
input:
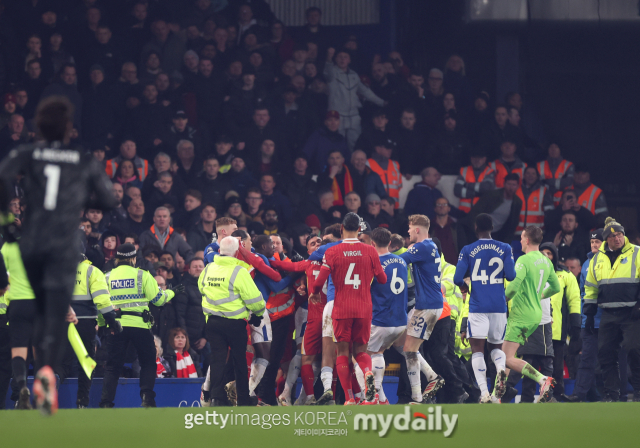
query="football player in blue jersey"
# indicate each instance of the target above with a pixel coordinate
(488, 262)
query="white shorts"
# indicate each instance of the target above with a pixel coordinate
(383, 337)
(421, 322)
(301, 323)
(327, 321)
(489, 326)
(263, 332)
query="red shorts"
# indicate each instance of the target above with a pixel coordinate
(353, 329)
(312, 339)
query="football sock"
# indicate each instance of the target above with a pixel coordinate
(326, 376)
(293, 372)
(207, 381)
(355, 385)
(334, 382)
(359, 377)
(306, 373)
(532, 373)
(342, 367)
(19, 369)
(480, 371)
(426, 369)
(413, 369)
(378, 372)
(364, 362)
(257, 371)
(499, 358)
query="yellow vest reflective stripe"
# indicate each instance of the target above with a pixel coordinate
(613, 286)
(87, 303)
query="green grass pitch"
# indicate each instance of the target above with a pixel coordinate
(523, 425)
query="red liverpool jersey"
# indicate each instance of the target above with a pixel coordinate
(315, 309)
(352, 266)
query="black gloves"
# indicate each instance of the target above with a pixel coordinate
(255, 320)
(296, 257)
(590, 325)
(178, 289)
(114, 325)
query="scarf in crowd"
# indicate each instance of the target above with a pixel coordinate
(338, 199)
(124, 181)
(184, 366)
(159, 367)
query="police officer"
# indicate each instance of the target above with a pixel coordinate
(90, 297)
(131, 291)
(613, 284)
(229, 296)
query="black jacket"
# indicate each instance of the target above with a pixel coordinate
(188, 307)
(490, 201)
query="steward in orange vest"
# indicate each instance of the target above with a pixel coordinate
(556, 173)
(507, 163)
(589, 196)
(388, 170)
(141, 165)
(536, 200)
(474, 180)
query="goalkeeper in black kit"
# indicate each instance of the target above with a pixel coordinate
(59, 182)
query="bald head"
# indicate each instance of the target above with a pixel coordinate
(430, 176)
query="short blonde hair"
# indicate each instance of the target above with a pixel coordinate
(225, 221)
(420, 221)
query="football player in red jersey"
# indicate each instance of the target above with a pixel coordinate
(353, 266)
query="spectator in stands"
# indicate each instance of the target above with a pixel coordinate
(479, 118)
(299, 186)
(136, 221)
(25, 107)
(241, 101)
(126, 175)
(167, 44)
(13, 134)
(173, 275)
(254, 202)
(162, 235)
(383, 84)
(98, 225)
(571, 240)
(128, 152)
(508, 163)
(398, 219)
(35, 82)
(147, 121)
(323, 141)
(183, 361)
(280, 41)
(99, 118)
(250, 138)
(8, 108)
(451, 145)
(498, 132)
(65, 85)
(344, 88)
(201, 234)
(271, 223)
(209, 90)
(109, 241)
(555, 172)
(530, 149)
(313, 30)
(273, 199)
(352, 202)
(239, 176)
(387, 169)
(421, 200)
(296, 116)
(365, 181)
(127, 91)
(117, 217)
(372, 134)
(589, 196)
(268, 161)
(574, 265)
(188, 307)
(211, 184)
(536, 200)
(189, 214)
(569, 201)
(234, 211)
(504, 207)
(375, 216)
(161, 163)
(412, 149)
(448, 231)
(164, 193)
(456, 82)
(187, 166)
(336, 177)
(474, 180)
(180, 130)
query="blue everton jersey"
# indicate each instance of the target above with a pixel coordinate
(488, 262)
(390, 299)
(210, 252)
(427, 271)
(318, 255)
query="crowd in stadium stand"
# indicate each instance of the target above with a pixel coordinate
(214, 108)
